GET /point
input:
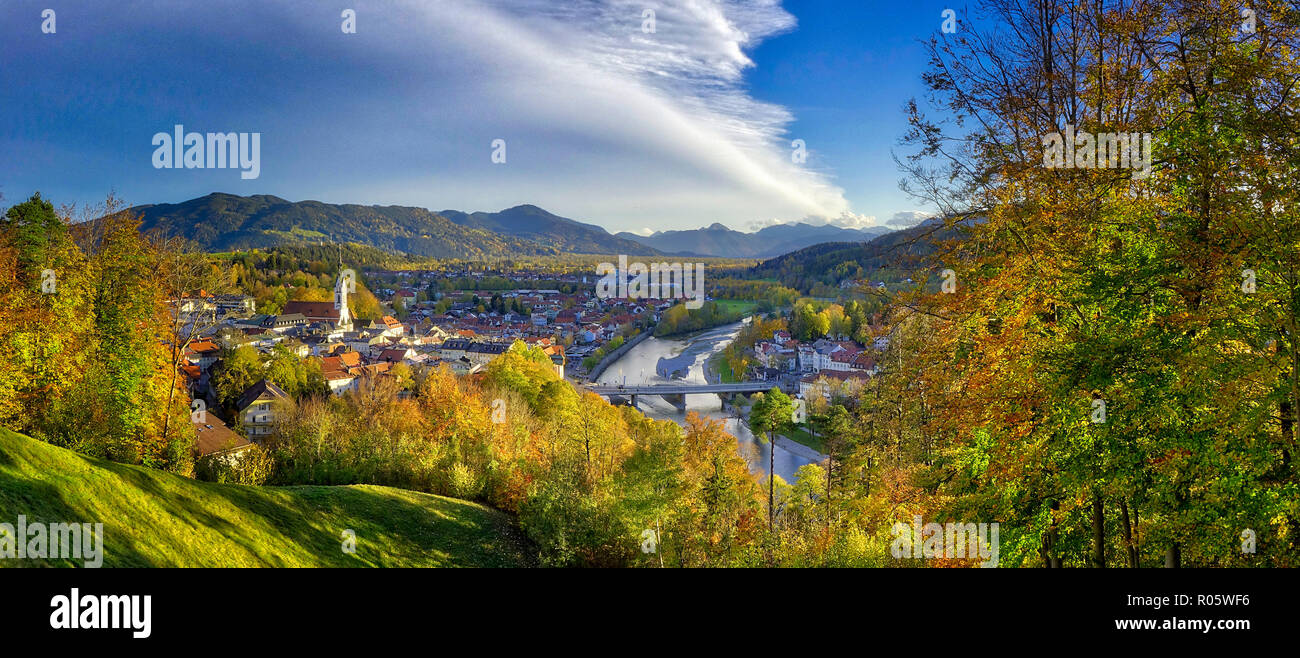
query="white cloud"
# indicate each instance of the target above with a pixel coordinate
(662, 116)
(845, 219)
(908, 218)
(603, 122)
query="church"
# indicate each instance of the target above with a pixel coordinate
(336, 313)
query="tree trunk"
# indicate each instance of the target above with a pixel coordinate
(1130, 549)
(771, 482)
(1048, 550)
(1287, 417)
(1173, 557)
(1098, 533)
(830, 463)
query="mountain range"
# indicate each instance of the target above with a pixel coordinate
(718, 240)
(225, 222)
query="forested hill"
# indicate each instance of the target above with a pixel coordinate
(567, 235)
(831, 262)
(225, 222)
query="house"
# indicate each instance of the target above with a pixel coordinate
(556, 352)
(203, 353)
(864, 362)
(236, 305)
(366, 343)
(194, 381)
(832, 384)
(480, 353)
(396, 355)
(387, 326)
(340, 382)
(807, 357)
(214, 439)
(842, 359)
(454, 349)
(341, 361)
(284, 322)
(257, 408)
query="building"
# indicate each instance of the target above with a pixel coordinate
(335, 313)
(257, 408)
(315, 311)
(236, 305)
(396, 354)
(217, 441)
(480, 353)
(833, 384)
(284, 322)
(203, 353)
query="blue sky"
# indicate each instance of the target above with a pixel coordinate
(602, 121)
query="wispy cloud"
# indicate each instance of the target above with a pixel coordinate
(908, 218)
(602, 121)
(845, 219)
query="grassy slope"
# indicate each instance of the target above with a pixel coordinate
(741, 306)
(153, 518)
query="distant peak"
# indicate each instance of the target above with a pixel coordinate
(527, 207)
(716, 226)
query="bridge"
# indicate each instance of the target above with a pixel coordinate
(676, 394)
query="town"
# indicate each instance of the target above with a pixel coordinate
(462, 330)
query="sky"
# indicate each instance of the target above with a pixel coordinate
(602, 118)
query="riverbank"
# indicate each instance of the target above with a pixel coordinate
(642, 365)
(616, 354)
(800, 444)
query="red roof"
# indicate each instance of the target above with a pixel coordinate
(392, 355)
(203, 347)
(313, 310)
(213, 436)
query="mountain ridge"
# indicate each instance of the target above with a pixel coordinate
(224, 222)
(717, 240)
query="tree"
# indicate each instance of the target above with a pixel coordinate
(183, 270)
(239, 369)
(771, 413)
(837, 434)
(1093, 287)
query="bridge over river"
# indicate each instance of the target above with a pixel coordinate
(676, 393)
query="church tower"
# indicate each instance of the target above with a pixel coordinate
(345, 284)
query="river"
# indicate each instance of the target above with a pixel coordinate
(687, 355)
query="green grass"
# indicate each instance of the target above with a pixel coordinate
(152, 518)
(802, 435)
(296, 232)
(740, 306)
(719, 365)
(725, 374)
